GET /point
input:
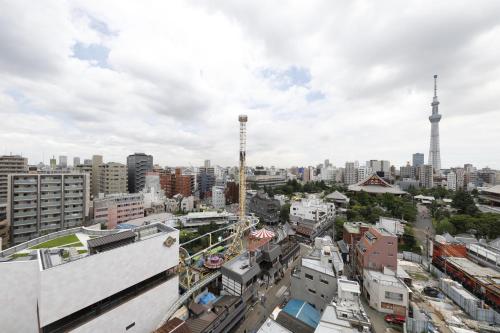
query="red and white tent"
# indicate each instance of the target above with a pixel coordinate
(262, 234)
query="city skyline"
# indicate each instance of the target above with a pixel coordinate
(342, 84)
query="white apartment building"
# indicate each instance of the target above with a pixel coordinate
(385, 292)
(311, 216)
(312, 209)
(187, 204)
(327, 173)
(43, 203)
(126, 281)
(363, 172)
(451, 181)
(218, 197)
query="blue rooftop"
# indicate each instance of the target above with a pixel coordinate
(303, 311)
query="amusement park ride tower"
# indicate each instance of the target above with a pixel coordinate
(236, 245)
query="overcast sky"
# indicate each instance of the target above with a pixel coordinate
(344, 80)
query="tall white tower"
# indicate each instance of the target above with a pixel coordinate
(434, 118)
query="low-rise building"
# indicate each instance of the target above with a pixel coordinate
(261, 181)
(374, 184)
(196, 219)
(114, 209)
(377, 249)
(267, 209)
(315, 279)
(311, 216)
(346, 313)
(239, 278)
(395, 226)
(130, 282)
(385, 292)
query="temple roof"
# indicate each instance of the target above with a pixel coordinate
(375, 184)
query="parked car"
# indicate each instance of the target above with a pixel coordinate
(431, 292)
(395, 319)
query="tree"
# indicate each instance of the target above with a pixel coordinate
(464, 203)
(285, 213)
(444, 226)
(339, 228)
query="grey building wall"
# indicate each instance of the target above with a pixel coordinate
(43, 203)
(313, 291)
(137, 166)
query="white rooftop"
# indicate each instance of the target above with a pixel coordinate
(315, 264)
(270, 326)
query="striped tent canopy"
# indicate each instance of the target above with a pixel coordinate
(262, 234)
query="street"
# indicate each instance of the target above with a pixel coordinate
(423, 224)
(258, 313)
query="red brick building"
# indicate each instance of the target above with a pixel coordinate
(174, 183)
(378, 248)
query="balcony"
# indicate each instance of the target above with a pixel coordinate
(51, 196)
(24, 197)
(25, 206)
(25, 182)
(50, 211)
(73, 202)
(74, 195)
(25, 214)
(73, 181)
(25, 189)
(25, 222)
(51, 181)
(73, 210)
(50, 189)
(24, 231)
(73, 217)
(50, 219)
(50, 204)
(73, 187)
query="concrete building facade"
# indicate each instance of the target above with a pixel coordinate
(8, 164)
(126, 286)
(113, 178)
(43, 203)
(96, 172)
(218, 197)
(426, 176)
(114, 209)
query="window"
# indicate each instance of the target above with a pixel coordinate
(394, 296)
(323, 281)
(130, 326)
(308, 276)
(312, 291)
(390, 243)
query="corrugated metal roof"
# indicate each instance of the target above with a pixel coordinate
(104, 240)
(175, 325)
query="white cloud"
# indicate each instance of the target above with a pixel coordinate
(178, 74)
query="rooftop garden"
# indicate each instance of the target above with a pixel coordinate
(69, 240)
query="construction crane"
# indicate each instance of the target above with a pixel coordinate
(236, 245)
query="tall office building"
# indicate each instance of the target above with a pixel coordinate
(63, 162)
(137, 166)
(418, 159)
(207, 164)
(96, 172)
(350, 173)
(76, 161)
(53, 163)
(426, 176)
(113, 178)
(434, 150)
(38, 204)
